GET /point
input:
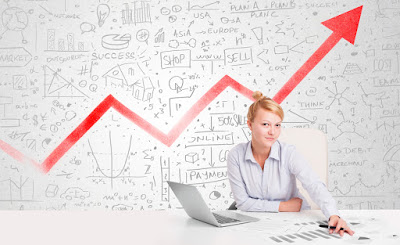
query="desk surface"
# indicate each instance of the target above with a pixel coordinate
(175, 227)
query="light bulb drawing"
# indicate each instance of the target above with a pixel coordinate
(103, 11)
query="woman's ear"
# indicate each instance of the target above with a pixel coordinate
(249, 124)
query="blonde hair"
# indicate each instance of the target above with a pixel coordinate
(265, 103)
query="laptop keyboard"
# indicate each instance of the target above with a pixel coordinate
(223, 219)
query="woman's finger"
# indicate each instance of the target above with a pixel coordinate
(349, 231)
(332, 222)
(340, 224)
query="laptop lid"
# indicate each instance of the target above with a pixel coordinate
(192, 202)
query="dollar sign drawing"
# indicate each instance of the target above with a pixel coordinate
(35, 122)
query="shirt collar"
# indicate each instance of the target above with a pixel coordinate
(275, 150)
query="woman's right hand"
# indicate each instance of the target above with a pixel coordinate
(293, 205)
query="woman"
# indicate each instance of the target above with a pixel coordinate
(262, 172)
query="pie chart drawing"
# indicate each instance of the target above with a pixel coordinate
(214, 195)
(176, 83)
(116, 41)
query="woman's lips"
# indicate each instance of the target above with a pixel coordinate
(270, 138)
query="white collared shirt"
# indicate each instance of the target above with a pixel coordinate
(257, 190)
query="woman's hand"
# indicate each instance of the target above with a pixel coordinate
(293, 205)
(335, 220)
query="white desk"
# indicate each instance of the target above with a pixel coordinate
(175, 227)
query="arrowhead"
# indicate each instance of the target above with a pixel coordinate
(346, 24)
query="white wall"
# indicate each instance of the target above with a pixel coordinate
(59, 61)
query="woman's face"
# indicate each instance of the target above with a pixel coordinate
(266, 128)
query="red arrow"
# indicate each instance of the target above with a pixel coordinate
(352, 16)
(110, 101)
(343, 26)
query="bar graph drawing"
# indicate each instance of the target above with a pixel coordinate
(139, 14)
(63, 44)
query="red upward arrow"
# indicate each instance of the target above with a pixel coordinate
(111, 102)
(343, 26)
(334, 24)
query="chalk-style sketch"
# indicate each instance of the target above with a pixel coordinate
(14, 57)
(176, 59)
(14, 19)
(159, 37)
(176, 83)
(338, 96)
(21, 190)
(207, 6)
(66, 44)
(87, 27)
(103, 11)
(373, 99)
(52, 190)
(175, 43)
(192, 157)
(143, 89)
(73, 193)
(117, 163)
(55, 85)
(116, 41)
(258, 33)
(20, 82)
(124, 74)
(393, 154)
(136, 14)
(5, 121)
(142, 35)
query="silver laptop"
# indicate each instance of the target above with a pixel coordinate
(195, 207)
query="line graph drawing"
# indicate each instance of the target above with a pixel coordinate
(210, 6)
(353, 193)
(349, 20)
(112, 172)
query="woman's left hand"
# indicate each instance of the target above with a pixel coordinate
(335, 220)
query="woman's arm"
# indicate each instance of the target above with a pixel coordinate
(317, 190)
(292, 205)
(243, 201)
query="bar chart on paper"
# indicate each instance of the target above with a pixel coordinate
(301, 232)
(305, 231)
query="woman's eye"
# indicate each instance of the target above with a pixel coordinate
(278, 125)
(265, 124)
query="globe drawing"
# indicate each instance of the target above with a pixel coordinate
(14, 19)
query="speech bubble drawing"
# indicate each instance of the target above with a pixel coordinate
(87, 27)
